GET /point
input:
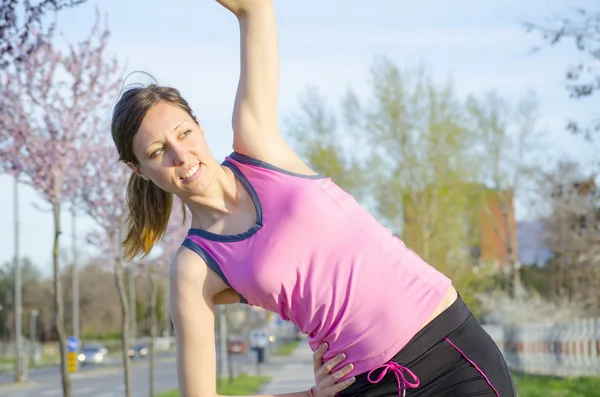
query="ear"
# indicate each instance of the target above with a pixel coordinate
(138, 171)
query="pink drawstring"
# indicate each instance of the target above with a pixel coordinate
(398, 371)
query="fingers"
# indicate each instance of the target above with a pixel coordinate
(333, 362)
(340, 373)
(338, 387)
(318, 356)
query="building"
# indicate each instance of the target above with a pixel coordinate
(482, 219)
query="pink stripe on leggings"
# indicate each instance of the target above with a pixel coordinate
(475, 365)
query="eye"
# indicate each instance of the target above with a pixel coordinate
(185, 133)
(157, 152)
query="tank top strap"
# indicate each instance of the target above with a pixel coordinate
(260, 167)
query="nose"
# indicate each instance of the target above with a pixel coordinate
(178, 154)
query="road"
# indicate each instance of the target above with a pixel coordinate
(99, 381)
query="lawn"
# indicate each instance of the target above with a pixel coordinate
(287, 349)
(542, 386)
(241, 386)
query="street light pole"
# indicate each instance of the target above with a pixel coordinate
(75, 279)
(19, 373)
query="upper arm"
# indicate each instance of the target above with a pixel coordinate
(254, 117)
(193, 287)
(254, 120)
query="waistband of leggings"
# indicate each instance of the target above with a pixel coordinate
(440, 327)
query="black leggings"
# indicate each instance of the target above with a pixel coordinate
(450, 357)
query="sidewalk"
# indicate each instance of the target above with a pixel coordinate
(290, 374)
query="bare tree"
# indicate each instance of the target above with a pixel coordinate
(582, 28)
(509, 141)
(573, 232)
(101, 194)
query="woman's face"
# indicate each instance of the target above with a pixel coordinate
(173, 153)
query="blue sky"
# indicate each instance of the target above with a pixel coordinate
(193, 45)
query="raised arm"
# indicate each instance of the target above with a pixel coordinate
(255, 111)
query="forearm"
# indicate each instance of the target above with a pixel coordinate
(256, 99)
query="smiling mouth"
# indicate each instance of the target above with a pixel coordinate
(191, 172)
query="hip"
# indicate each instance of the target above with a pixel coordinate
(450, 356)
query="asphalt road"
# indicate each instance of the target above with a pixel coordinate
(99, 381)
(105, 381)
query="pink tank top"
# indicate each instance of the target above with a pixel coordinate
(320, 260)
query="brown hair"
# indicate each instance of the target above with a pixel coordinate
(149, 205)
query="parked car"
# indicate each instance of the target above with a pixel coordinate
(92, 354)
(237, 345)
(138, 351)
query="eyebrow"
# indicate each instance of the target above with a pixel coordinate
(174, 129)
(179, 125)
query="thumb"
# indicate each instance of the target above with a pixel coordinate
(318, 356)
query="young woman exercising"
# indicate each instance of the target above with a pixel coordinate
(268, 231)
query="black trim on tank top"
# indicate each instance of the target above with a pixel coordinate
(242, 158)
(211, 262)
(257, 206)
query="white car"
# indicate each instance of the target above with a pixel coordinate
(92, 354)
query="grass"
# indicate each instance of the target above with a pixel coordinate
(7, 364)
(287, 349)
(241, 386)
(544, 386)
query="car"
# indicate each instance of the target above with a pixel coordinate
(237, 345)
(92, 354)
(140, 350)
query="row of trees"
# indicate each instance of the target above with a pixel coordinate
(53, 127)
(100, 309)
(445, 173)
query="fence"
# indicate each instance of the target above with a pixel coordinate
(566, 349)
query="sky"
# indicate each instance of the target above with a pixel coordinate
(194, 46)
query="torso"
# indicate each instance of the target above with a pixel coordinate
(299, 246)
(244, 219)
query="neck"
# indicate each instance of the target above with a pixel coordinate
(220, 199)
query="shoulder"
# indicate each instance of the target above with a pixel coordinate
(189, 272)
(280, 155)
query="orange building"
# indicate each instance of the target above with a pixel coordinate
(498, 229)
(489, 222)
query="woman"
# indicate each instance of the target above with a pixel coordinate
(268, 231)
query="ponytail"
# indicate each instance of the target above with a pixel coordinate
(149, 212)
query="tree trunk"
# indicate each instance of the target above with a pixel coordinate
(513, 260)
(119, 279)
(153, 325)
(58, 304)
